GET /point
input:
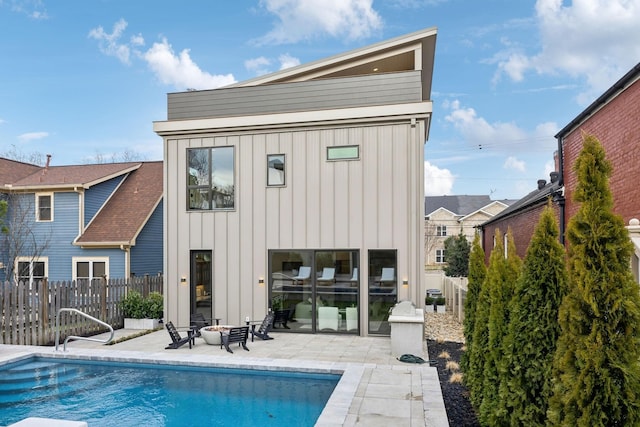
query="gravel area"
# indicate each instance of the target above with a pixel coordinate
(445, 343)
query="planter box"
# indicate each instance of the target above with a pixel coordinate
(442, 308)
(428, 308)
(143, 324)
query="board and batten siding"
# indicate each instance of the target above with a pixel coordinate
(371, 203)
(313, 95)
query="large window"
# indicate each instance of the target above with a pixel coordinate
(440, 256)
(211, 178)
(31, 271)
(44, 207)
(315, 291)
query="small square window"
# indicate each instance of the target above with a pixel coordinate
(344, 152)
(275, 170)
(441, 230)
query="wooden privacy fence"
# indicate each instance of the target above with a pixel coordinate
(29, 310)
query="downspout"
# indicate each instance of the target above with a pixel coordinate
(561, 200)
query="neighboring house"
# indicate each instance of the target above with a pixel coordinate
(449, 216)
(522, 216)
(83, 221)
(301, 191)
(613, 118)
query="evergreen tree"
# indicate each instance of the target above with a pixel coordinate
(529, 347)
(501, 286)
(457, 251)
(596, 368)
(474, 376)
(477, 274)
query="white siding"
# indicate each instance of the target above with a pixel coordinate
(372, 203)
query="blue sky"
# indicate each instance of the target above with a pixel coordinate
(83, 80)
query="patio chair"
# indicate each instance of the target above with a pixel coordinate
(176, 339)
(328, 318)
(304, 273)
(237, 334)
(281, 317)
(198, 321)
(388, 276)
(265, 327)
(328, 275)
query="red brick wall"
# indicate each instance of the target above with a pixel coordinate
(617, 126)
(522, 227)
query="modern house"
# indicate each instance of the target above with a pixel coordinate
(613, 118)
(447, 216)
(81, 222)
(301, 191)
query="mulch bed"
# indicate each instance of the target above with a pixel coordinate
(456, 396)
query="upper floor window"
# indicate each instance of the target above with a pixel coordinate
(31, 271)
(44, 207)
(441, 230)
(343, 152)
(211, 178)
(275, 170)
(440, 256)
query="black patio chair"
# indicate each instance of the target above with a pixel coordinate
(176, 339)
(264, 329)
(237, 334)
(198, 321)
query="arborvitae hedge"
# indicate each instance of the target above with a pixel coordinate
(477, 274)
(529, 347)
(596, 369)
(474, 377)
(501, 282)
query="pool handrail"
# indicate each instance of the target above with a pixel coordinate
(74, 310)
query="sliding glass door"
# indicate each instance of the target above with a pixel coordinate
(316, 289)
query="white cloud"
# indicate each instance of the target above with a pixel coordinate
(306, 19)
(597, 40)
(288, 61)
(31, 136)
(179, 70)
(514, 164)
(258, 66)
(109, 42)
(437, 182)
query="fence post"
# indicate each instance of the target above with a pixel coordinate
(103, 298)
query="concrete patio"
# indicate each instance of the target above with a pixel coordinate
(375, 389)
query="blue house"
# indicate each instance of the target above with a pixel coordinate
(81, 221)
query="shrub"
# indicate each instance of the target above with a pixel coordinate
(440, 301)
(135, 306)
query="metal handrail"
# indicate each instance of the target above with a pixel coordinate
(73, 310)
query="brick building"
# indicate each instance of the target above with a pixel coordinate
(614, 118)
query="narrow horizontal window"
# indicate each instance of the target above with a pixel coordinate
(344, 152)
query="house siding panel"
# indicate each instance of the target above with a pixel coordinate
(369, 90)
(96, 196)
(146, 255)
(319, 207)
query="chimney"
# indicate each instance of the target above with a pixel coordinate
(554, 176)
(541, 183)
(48, 161)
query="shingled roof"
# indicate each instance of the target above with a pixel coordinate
(50, 177)
(11, 170)
(121, 219)
(459, 205)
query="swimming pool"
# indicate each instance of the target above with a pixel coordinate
(141, 394)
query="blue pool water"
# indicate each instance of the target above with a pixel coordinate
(146, 395)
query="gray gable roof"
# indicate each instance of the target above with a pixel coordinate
(460, 205)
